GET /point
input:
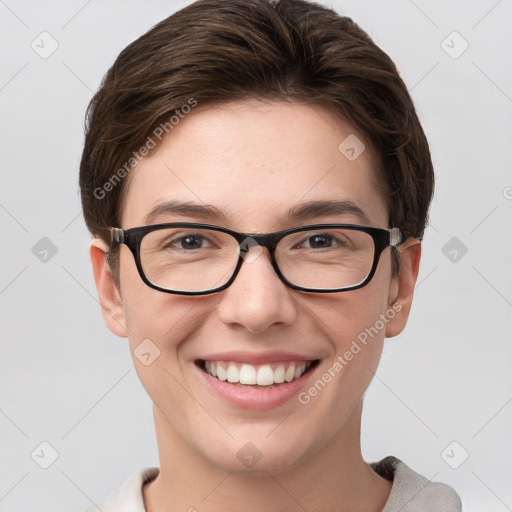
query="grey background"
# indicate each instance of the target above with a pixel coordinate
(65, 379)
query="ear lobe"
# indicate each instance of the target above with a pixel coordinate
(109, 296)
(402, 287)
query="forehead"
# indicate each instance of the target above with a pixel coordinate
(254, 162)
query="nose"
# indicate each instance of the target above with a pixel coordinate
(257, 299)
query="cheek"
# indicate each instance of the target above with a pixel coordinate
(156, 327)
(356, 324)
(165, 319)
(349, 315)
(148, 312)
(159, 328)
(358, 339)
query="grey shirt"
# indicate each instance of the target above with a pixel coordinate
(410, 492)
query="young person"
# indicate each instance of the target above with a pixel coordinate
(257, 184)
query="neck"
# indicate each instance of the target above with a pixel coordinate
(335, 478)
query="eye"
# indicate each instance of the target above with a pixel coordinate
(188, 242)
(323, 241)
(318, 241)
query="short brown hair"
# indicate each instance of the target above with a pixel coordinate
(218, 51)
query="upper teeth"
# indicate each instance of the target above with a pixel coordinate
(264, 375)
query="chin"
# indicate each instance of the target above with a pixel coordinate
(258, 459)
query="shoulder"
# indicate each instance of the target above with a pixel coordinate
(412, 492)
(128, 497)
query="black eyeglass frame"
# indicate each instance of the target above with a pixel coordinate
(132, 238)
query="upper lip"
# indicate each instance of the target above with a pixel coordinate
(258, 357)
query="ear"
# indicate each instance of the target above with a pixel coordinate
(402, 287)
(110, 298)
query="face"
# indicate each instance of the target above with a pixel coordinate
(254, 162)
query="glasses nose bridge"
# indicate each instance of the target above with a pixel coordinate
(267, 240)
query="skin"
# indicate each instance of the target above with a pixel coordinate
(255, 160)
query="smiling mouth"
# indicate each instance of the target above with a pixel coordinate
(264, 376)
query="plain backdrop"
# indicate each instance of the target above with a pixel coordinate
(441, 400)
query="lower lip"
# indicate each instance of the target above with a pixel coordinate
(256, 398)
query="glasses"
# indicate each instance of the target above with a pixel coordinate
(198, 259)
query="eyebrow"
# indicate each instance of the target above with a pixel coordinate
(202, 211)
(312, 209)
(299, 212)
